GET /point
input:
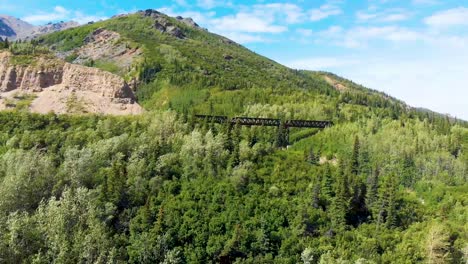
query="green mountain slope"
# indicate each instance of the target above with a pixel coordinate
(201, 71)
(385, 184)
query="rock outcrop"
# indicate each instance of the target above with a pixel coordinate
(54, 78)
(104, 45)
(53, 27)
(163, 24)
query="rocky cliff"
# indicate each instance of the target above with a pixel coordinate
(95, 90)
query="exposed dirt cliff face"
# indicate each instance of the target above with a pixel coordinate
(42, 74)
(65, 88)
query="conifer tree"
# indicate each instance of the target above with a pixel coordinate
(388, 201)
(391, 220)
(327, 183)
(355, 156)
(372, 190)
(340, 202)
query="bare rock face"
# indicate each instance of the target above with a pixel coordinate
(54, 27)
(104, 45)
(57, 85)
(163, 24)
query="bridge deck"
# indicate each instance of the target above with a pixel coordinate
(254, 121)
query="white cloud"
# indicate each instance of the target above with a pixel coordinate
(357, 37)
(291, 13)
(364, 16)
(181, 2)
(246, 38)
(321, 63)
(208, 4)
(395, 17)
(305, 32)
(83, 18)
(385, 16)
(452, 17)
(60, 13)
(245, 22)
(249, 24)
(327, 10)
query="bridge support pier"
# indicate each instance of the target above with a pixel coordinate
(283, 136)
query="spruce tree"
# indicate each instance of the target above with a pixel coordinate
(372, 190)
(327, 183)
(340, 202)
(388, 201)
(355, 156)
(391, 220)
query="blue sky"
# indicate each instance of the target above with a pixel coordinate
(415, 50)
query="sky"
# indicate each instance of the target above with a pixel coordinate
(415, 50)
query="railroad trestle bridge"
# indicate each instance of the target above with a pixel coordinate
(283, 126)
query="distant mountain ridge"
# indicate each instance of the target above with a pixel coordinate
(14, 28)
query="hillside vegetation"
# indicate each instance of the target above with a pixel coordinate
(385, 184)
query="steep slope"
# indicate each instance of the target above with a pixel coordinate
(14, 28)
(60, 87)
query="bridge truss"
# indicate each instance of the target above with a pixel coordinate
(267, 122)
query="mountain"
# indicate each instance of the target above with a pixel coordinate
(179, 65)
(386, 183)
(14, 28)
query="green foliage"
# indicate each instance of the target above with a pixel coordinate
(385, 184)
(106, 66)
(152, 189)
(20, 102)
(71, 58)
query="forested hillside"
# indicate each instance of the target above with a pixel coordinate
(386, 184)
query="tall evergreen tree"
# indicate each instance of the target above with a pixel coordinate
(372, 193)
(340, 202)
(327, 183)
(355, 156)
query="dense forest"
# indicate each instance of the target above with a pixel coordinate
(386, 184)
(156, 189)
